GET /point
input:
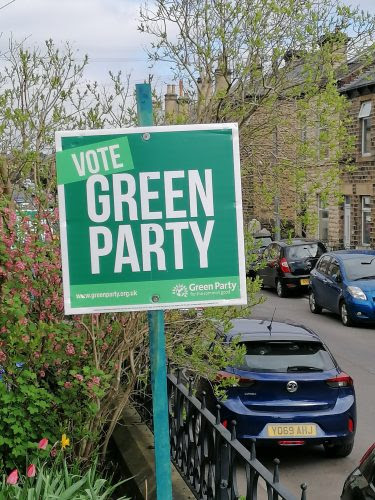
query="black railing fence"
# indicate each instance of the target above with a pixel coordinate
(212, 461)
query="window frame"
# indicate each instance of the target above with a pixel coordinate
(365, 127)
(335, 263)
(324, 259)
(365, 210)
(320, 210)
(364, 117)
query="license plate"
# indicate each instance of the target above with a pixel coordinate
(291, 430)
(305, 281)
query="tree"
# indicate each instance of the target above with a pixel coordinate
(42, 90)
(273, 68)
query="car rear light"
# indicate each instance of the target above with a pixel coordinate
(294, 442)
(240, 381)
(341, 380)
(350, 425)
(284, 265)
(367, 454)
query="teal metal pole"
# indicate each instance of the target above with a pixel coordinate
(157, 352)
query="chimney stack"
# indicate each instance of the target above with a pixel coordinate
(170, 103)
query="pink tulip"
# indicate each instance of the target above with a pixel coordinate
(13, 477)
(43, 444)
(31, 471)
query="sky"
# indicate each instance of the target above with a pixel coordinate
(106, 30)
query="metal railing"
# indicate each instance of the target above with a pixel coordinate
(212, 461)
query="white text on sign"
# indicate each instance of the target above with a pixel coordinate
(101, 205)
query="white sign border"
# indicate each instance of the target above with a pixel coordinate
(241, 301)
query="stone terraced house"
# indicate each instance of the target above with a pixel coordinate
(357, 215)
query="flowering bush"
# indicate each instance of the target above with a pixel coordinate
(58, 373)
(74, 373)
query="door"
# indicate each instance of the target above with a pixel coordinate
(333, 286)
(347, 222)
(319, 280)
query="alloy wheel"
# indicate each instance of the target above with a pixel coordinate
(314, 308)
(345, 319)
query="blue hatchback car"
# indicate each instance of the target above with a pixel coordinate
(344, 282)
(290, 390)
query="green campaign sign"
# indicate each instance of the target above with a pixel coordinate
(151, 218)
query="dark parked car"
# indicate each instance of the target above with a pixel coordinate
(261, 240)
(360, 485)
(344, 282)
(290, 389)
(288, 264)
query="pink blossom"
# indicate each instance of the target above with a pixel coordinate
(37, 354)
(31, 471)
(19, 266)
(42, 373)
(3, 357)
(84, 352)
(53, 452)
(67, 385)
(43, 443)
(79, 377)
(13, 477)
(3, 329)
(70, 349)
(22, 321)
(96, 380)
(25, 339)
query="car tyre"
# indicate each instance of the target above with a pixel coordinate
(314, 307)
(339, 450)
(344, 314)
(281, 289)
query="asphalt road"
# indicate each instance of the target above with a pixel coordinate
(354, 349)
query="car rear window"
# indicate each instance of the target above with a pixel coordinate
(264, 241)
(286, 356)
(296, 252)
(359, 268)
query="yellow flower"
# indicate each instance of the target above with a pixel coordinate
(64, 441)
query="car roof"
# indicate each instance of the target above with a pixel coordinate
(257, 329)
(350, 254)
(296, 241)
